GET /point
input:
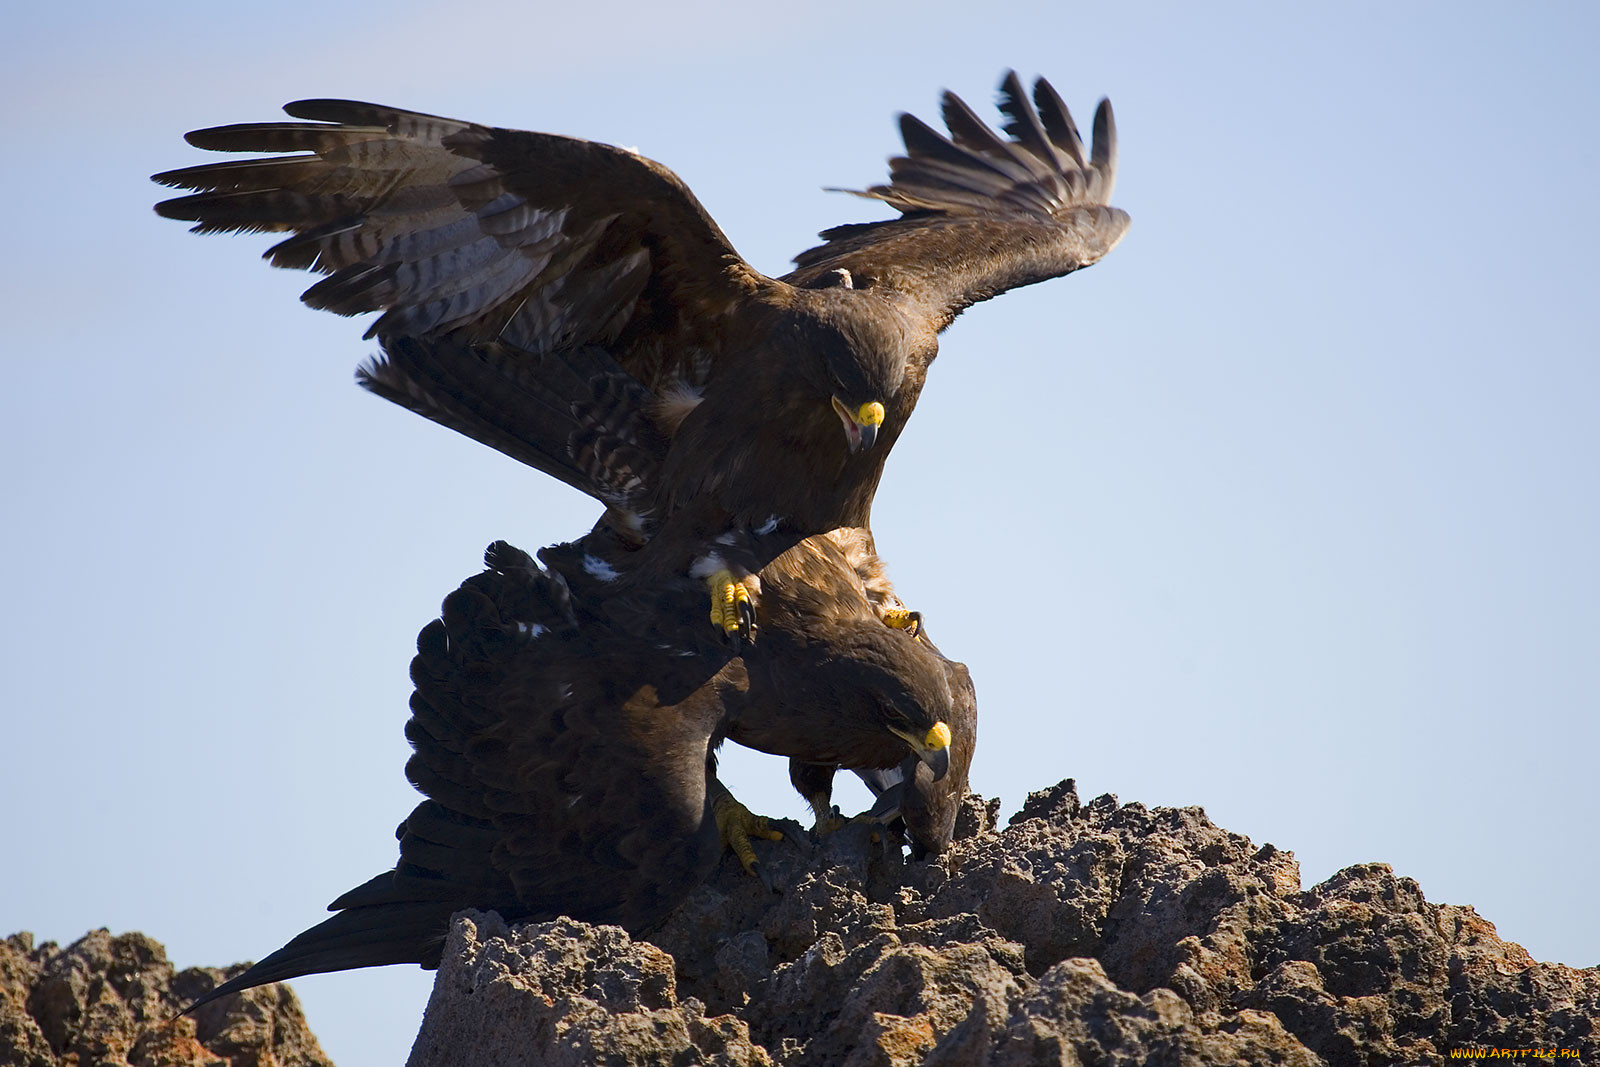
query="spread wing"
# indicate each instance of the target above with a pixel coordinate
(980, 213)
(594, 789)
(556, 783)
(452, 229)
(574, 414)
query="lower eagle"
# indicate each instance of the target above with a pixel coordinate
(569, 765)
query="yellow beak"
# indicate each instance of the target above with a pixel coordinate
(933, 748)
(861, 425)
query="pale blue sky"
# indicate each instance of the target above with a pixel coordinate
(1287, 509)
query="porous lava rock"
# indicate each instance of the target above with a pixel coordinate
(1096, 933)
(110, 1002)
(1080, 933)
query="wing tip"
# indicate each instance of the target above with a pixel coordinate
(1011, 85)
(332, 110)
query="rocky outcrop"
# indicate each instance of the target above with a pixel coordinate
(110, 1001)
(601, 998)
(1096, 934)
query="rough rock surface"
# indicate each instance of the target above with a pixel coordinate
(1080, 934)
(1093, 934)
(109, 1001)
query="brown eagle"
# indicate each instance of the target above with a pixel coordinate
(776, 399)
(815, 594)
(590, 433)
(840, 576)
(569, 766)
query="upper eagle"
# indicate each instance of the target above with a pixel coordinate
(776, 399)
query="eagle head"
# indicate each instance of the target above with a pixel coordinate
(909, 684)
(855, 355)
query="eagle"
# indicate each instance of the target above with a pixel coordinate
(829, 580)
(838, 579)
(569, 767)
(775, 400)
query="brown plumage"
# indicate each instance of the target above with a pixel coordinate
(837, 577)
(813, 608)
(569, 765)
(910, 794)
(499, 254)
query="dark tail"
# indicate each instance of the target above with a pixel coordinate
(369, 936)
(399, 916)
(449, 841)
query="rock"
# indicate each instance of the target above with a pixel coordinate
(1081, 933)
(107, 1000)
(566, 994)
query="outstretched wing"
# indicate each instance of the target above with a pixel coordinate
(574, 414)
(979, 213)
(452, 229)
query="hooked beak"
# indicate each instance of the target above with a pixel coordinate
(861, 426)
(933, 748)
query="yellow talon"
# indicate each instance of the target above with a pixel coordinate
(903, 619)
(829, 818)
(830, 824)
(732, 609)
(737, 825)
(835, 821)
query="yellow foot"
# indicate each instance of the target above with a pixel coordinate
(903, 619)
(733, 611)
(834, 821)
(830, 821)
(737, 825)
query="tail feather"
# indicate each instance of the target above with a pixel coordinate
(408, 932)
(401, 915)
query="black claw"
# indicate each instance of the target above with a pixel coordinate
(914, 626)
(747, 620)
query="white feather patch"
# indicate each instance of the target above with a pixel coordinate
(676, 400)
(706, 566)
